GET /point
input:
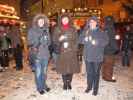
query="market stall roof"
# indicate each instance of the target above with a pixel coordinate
(8, 15)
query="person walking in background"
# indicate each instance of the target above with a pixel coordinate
(18, 55)
(5, 45)
(54, 54)
(80, 53)
(65, 39)
(110, 50)
(126, 48)
(94, 41)
(39, 41)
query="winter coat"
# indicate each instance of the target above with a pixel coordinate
(67, 61)
(93, 53)
(5, 42)
(112, 46)
(39, 38)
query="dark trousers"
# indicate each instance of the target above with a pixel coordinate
(5, 58)
(126, 59)
(67, 78)
(19, 63)
(93, 75)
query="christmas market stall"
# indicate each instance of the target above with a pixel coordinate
(10, 28)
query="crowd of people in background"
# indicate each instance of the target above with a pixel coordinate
(94, 44)
(7, 51)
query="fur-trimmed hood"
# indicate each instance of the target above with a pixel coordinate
(40, 16)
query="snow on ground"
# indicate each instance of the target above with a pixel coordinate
(20, 86)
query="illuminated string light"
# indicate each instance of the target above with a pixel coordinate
(63, 10)
(117, 37)
(9, 12)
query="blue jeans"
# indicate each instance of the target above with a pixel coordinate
(33, 67)
(40, 73)
(32, 58)
(93, 74)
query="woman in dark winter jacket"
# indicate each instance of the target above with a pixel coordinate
(39, 41)
(94, 41)
(65, 41)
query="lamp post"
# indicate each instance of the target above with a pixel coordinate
(42, 6)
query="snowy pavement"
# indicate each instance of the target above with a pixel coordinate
(20, 86)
